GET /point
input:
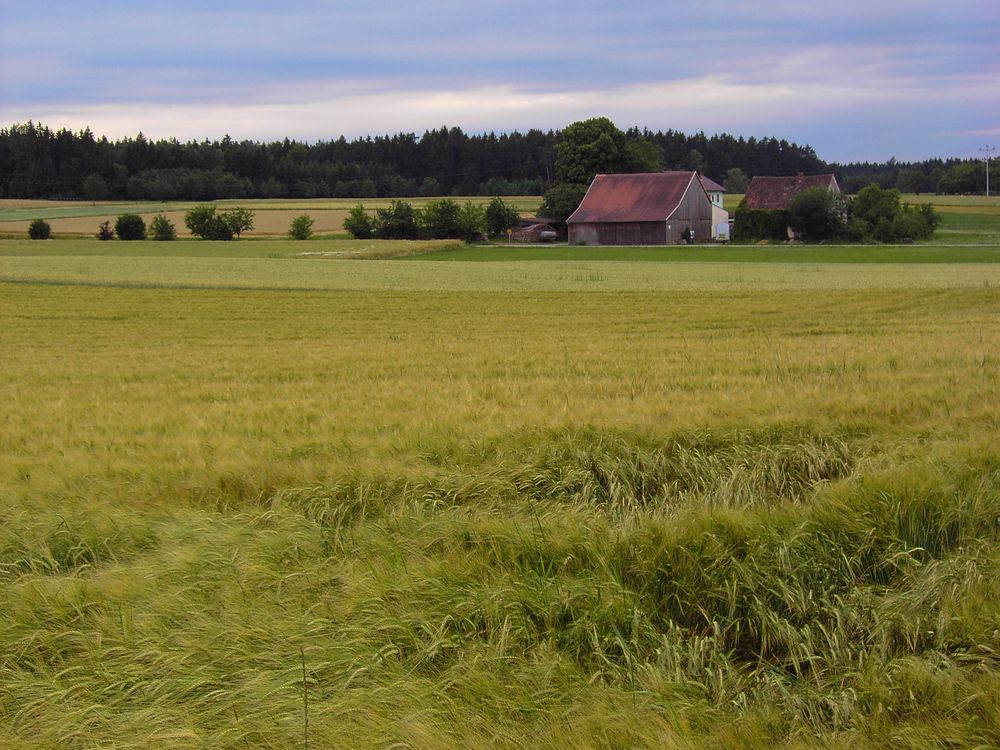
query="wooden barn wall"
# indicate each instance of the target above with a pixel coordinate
(694, 211)
(625, 233)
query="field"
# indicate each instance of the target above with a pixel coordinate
(966, 219)
(252, 498)
(273, 216)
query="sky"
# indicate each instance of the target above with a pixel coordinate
(858, 80)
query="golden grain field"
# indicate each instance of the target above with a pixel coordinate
(287, 501)
(146, 388)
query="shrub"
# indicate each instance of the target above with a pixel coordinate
(39, 229)
(930, 217)
(876, 209)
(302, 227)
(818, 214)
(162, 228)
(500, 217)
(203, 222)
(752, 224)
(561, 201)
(915, 223)
(238, 220)
(440, 219)
(397, 222)
(105, 232)
(471, 221)
(359, 223)
(876, 215)
(130, 227)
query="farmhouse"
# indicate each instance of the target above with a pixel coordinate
(720, 216)
(775, 193)
(642, 209)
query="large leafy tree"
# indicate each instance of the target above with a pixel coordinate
(592, 147)
(597, 146)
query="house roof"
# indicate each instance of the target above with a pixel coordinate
(771, 193)
(632, 197)
(710, 185)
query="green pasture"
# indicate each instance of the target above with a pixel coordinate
(460, 275)
(808, 254)
(77, 247)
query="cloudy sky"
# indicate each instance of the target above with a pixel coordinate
(856, 79)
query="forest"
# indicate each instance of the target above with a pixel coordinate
(38, 162)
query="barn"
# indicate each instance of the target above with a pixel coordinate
(775, 193)
(642, 209)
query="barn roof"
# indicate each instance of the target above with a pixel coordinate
(773, 193)
(710, 185)
(632, 197)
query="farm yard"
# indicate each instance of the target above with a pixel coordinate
(343, 493)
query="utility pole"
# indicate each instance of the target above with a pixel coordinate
(988, 149)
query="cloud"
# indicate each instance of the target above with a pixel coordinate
(881, 72)
(713, 103)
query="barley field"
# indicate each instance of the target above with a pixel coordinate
(290, 502)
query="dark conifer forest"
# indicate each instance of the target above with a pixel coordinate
(37, 162)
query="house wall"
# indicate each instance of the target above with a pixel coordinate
(626, 233)
(694, 211)
(720, 223)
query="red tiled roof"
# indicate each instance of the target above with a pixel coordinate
(632, 197)
(771, 193)
(710, 185)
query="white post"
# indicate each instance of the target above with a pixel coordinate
(987, 148)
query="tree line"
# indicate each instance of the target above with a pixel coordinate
(37, 162)
(941, 176)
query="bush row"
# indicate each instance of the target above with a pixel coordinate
(203, 221)
(439, 219)
(873, 215)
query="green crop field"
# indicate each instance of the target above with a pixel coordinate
(254, 498)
